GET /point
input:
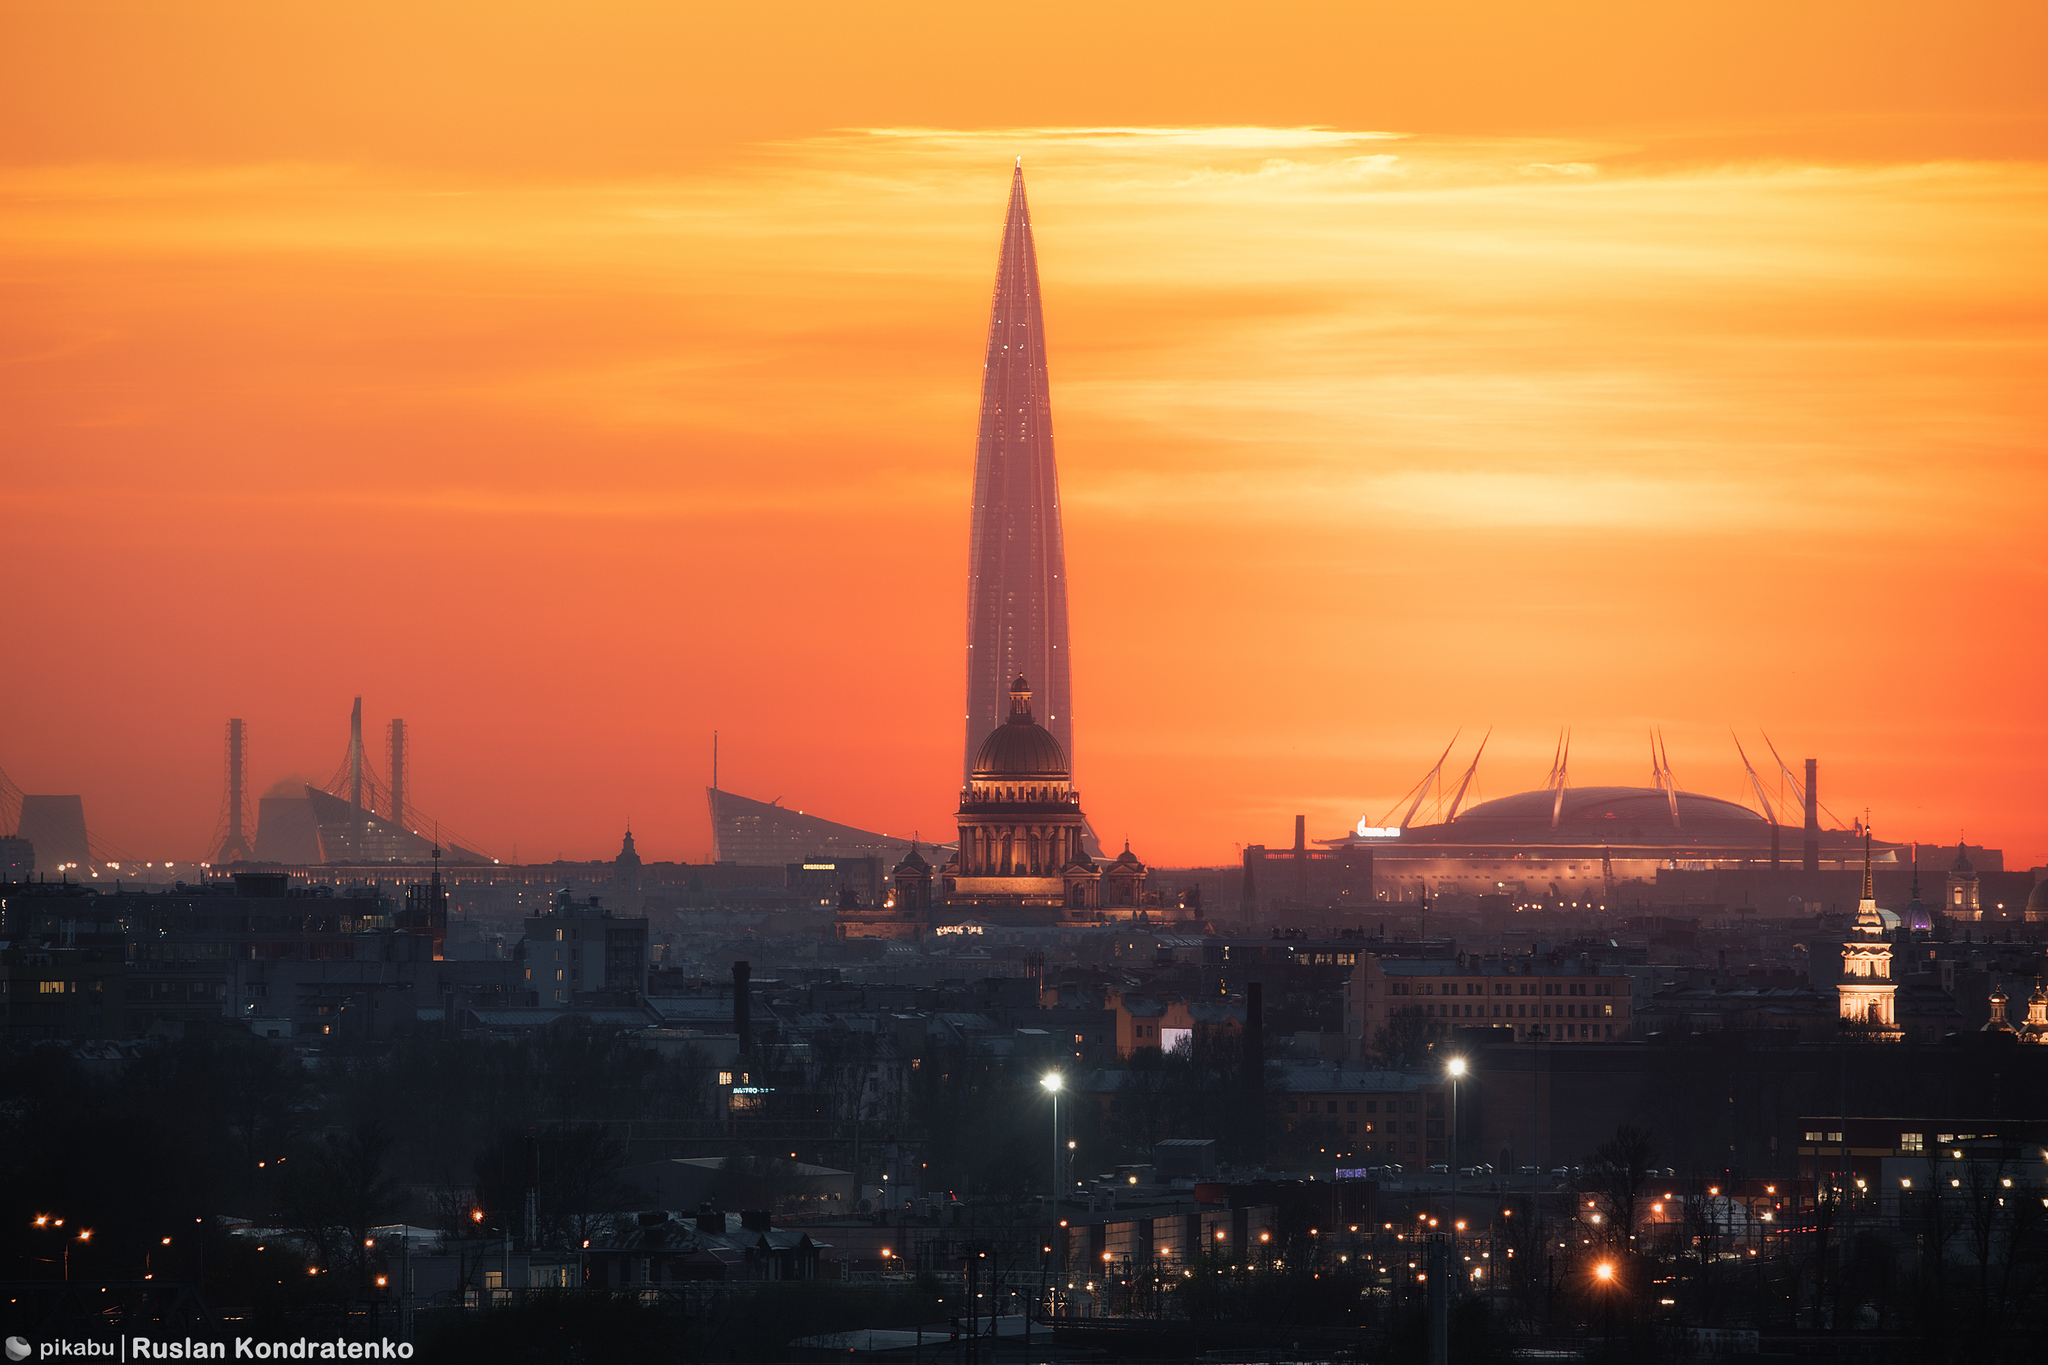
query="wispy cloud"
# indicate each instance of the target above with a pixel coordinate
(1280, 322)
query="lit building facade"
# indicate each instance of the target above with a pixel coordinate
(1542, 999)
(1867, 993)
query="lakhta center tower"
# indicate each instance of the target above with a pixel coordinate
(1016, 566)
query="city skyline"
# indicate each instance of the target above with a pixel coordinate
(1703, 396)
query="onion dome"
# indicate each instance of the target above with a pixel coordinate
(1021, 748)
(2035, 1027)
(1997, 1022)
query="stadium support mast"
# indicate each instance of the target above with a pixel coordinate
(1757, 785)
(1465, 782)
(1422, 787)
(1660, 767)
(1560, 774)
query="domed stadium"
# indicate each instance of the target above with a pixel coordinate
(1630, 816)
(1571, 842)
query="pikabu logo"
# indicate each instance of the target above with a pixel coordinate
(18, 1348)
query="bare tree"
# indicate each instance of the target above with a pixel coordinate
(1619, 1172)
(336, 1196)
(1405, 1039)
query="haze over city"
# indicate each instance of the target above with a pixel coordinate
(930, 685)
(1393, 397)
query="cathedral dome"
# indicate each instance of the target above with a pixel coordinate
(2037, 901)
(1020, 748)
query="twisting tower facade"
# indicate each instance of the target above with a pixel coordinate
(1016, 568)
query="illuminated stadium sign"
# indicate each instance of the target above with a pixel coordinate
(1365, 831)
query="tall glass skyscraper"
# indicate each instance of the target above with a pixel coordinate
(1016, 568)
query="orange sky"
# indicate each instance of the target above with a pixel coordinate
(573, 380)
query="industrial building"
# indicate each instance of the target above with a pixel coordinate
(769, 834)
(54, 827)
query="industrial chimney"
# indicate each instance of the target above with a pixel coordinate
(234, 847)
(1255, 1066)
(396, 734)
(1812, 859)
(742, 988)
(1300, 861)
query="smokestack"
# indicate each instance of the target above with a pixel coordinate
(1255, 1065)
(355, 755)
(356, 826)
(397, 734)
(742, 1004)
(1301, 860)
(1811, 863)
(235, 848)
(1254, 1037)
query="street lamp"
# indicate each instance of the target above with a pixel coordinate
(1603, 1279)
(1052, 1082)
(1454, 1068)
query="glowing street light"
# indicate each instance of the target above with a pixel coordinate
(1053, 1081)
(1455, 1069)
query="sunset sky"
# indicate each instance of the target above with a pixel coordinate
(573, 380)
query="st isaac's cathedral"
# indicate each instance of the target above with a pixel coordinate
(1022, 857)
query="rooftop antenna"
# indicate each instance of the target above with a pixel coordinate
(714, 760)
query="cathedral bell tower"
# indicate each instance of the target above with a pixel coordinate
(1867, 992)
